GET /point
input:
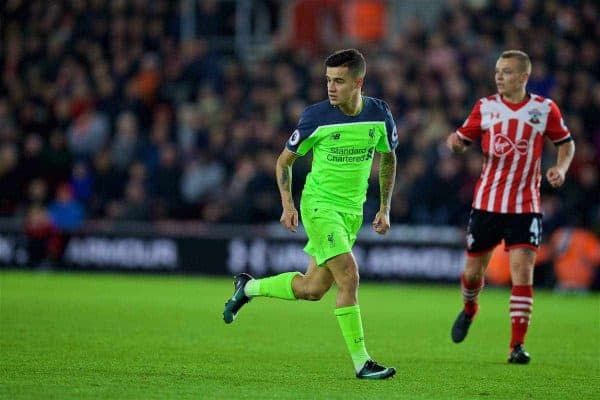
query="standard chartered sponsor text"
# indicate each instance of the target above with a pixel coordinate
(349, 154)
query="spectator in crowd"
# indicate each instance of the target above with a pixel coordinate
(66, 212)
(166, 182)
(82, 182)
(126, 145)
(57, 160)
(108, 183)
(135, 205)
(66, 215)
(202, 176)
(10, 181)
(40, 234)
(87, 133)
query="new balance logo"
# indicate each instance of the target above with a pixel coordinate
(336, 136)
(494, 115)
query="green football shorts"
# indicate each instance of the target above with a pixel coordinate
(330, 233)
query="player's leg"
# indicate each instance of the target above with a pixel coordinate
(472, 281)
(522, 261)
(522, 240)
(314, 283)
(344, 269)
(484, 233)
(293, 285)
(288, 286)
(471, 284)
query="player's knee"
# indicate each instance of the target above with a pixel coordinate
(473, 276)
(522, 272)
(311, 289)
(474, 270)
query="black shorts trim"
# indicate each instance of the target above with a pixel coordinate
(569, 139)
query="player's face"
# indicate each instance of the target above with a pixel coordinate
(510, 78)
(341, 85)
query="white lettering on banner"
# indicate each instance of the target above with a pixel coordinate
(429, 262)
(257, 257)
(6, 249)
(238, 254)
(287, 256)
(359, 255)
(123, 252)
(260, 257)
(394, 261)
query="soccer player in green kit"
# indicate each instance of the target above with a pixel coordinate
(343, 133)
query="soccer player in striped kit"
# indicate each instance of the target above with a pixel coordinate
(512, 125)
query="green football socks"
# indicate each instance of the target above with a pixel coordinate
(278, 286)
(351, 325)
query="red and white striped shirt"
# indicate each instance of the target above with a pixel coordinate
(512, 139)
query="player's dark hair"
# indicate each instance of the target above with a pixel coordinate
(521, 56)
(351, 58)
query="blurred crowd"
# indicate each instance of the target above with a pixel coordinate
(107, 113)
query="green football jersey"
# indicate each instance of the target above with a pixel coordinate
(343, 148)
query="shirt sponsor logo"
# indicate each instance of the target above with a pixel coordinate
(502, 146)
(349, 154)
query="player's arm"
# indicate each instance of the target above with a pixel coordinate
(459, 140)
(456, 144)
(556, 174)
(557, 131)
(283, 172)
(387, 176)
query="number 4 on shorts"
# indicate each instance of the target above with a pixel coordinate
(535, 230)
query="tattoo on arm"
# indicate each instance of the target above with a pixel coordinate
(284, 181)
(387, 175)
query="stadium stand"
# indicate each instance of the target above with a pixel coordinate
(145, 123)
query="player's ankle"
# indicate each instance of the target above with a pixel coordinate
(471, 309)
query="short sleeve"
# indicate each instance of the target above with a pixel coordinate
(556, 129)
(471, 129)
(303, 138)
(389, 141)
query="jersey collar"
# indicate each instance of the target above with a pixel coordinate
(516, 106)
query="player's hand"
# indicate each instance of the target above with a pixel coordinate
(555, 176)
(381, 223)
(289, 219)
(455, 144)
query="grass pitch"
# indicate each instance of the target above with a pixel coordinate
(81, 336)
